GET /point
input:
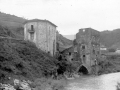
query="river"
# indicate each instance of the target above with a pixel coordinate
(102, 82)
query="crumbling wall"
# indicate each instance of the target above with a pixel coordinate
(88, 46)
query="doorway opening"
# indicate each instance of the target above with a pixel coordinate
(83, 70)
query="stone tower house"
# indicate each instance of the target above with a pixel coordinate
(88, 49)
(42, 33)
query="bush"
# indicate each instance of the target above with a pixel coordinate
(109, 65)
(23, 58)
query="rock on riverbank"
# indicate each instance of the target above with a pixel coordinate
(38, 84)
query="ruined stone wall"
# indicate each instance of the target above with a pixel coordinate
(95, 47)
(88, 46)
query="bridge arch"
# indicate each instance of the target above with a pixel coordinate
(82, 69)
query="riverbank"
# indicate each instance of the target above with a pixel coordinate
(109, 65)
(38, 84)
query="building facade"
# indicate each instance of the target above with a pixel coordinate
(85, 51)
(42, 33)
(88, 49)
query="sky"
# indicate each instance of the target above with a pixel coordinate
(68, 15)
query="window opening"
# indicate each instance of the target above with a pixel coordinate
(84, 58)
(83, 46)
(69, 53)
(32, 27)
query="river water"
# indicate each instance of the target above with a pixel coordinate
(103, 82)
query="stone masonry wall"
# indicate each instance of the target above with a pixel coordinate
(44, 36)
(89, 46)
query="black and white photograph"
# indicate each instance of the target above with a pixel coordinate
(59, 44)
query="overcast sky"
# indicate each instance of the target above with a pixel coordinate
(68, 15)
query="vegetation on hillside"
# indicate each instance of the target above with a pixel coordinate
(4, 31)
(24, 61)
(110, 38)
(23, 58)
(14, 33)
(64, 41)
(109, 65)
(11, 21)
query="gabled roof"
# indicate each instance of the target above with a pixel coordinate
(38, 20)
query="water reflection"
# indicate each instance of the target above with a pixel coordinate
(103, 82)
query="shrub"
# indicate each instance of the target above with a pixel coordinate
(23, 58)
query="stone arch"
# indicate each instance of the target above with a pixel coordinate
(83, 70)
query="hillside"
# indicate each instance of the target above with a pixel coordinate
(63, 42)
(23, 59)
(11, 21)
(116, 45)
(13, 24)
(70, 37)
(110, 38)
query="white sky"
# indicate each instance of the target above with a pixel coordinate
(68, 15)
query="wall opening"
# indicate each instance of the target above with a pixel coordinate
(83, 70)
(32, 33)
(69, 53)
(83, 46)
(84, 58)
(32, 28)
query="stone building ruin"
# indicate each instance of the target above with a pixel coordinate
(85, 51)
(88, 47)
(42, 33)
